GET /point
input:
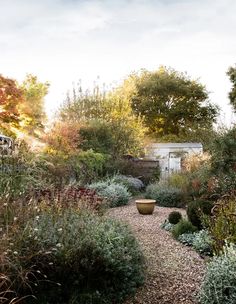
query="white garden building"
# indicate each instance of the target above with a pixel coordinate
(170, 155)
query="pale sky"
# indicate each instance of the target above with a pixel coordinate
(62, 41)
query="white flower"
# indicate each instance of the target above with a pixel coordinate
(59, 245)
(15, 218)
(15, 252)
(59, 229)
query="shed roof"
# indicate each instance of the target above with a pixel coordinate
(175, 145)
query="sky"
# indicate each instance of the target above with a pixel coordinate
(64, 41)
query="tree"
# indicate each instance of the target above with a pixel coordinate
(232, 94)
(170, 102)
(32, 110)
(11, 96)
(96, 111)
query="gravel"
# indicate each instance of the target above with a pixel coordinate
(174, 271)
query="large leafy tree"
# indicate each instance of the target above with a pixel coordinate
(171, 104)
(232, 94)
(32, 110)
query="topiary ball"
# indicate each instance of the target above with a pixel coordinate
(174, 217)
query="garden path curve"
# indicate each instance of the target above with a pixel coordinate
(174, 271)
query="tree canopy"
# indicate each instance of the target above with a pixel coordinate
(106, 117)
(11, 96)
(22, 105)
(33, 115)
(170, 102)
(232, 94)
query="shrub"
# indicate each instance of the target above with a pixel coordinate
(220, 279)
(202, 242)
(165, 196)
(116, 194)
(77, 258)
(167, 225)
(133, 184)
(196, 209)
(183, 226)
(89, 166)
(174, 217)
(221, 225)
(179, 180)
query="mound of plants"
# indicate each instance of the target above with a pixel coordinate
(133, 184)
(164, 195)
(116, 194)
(220, 279)
(182, 227)
(71, 257)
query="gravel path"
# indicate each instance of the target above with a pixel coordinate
(174, 271)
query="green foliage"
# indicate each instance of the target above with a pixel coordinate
(77, 258)
(232, 94)
(220, 279)
(170, 102)
(174, 217)
(222, 226)
(179, 180)
(98, 136)
(196, 209)
(164, 195)
(89, 165)
(223, 153)
(182, 227)
(116, 194)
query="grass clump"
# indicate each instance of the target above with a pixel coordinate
(183, 226)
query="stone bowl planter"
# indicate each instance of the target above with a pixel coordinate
(145, 206)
